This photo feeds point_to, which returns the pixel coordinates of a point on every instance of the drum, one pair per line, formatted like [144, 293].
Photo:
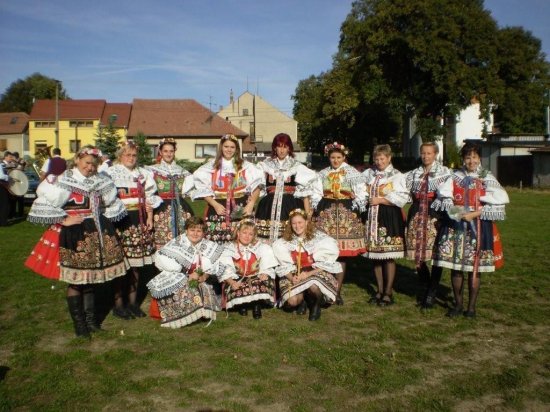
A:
[18, 182]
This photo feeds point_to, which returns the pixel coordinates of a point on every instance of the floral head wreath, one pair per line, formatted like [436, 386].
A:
[166, 140]
[246, 220]
[295, 212]
[230, 137]
[92, 151]
[336, 146]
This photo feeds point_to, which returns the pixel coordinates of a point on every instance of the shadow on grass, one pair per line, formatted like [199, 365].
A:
[3, 372]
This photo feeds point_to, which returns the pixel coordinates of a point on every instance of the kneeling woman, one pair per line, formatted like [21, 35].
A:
[81, 205]
[249, 281]
[307, 260]
[183, 289]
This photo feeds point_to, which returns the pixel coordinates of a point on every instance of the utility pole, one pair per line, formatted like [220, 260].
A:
[547, 95]
[56, 113]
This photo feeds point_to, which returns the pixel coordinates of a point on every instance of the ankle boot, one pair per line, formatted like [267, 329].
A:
[77, 314]
[429, 301]
[301, 309]
[256, 311]
[89, 312]
[315, 308]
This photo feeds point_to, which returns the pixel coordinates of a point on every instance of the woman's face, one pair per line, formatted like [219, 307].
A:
[381, 161]
[168, 152]
[282, 151]
[195, 234]
[336, 159]
[299, 225]
[245, 235]
[427, 154]
[228, 149]
[471, 161]
[87, 165]
[129, 158]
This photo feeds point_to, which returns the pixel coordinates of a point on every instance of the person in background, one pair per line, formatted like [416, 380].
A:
[5, 196]
[80, 205]
[55, 165]
[230, 186]
[385, 226]
[466, 240]
[106, 163]
[338, 201]
[249, 281]
[307, 265]
[430, 187]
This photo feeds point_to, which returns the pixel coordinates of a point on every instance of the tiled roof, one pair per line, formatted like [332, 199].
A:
[68, 109]
[13, 123]
[122, 111]
[177, 118]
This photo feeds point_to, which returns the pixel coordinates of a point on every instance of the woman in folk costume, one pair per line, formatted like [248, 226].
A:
[81, 205]
[136, 188]
[249, 281]
[230, 186]
[466, 240]
[289, 185]
[385, 227]
[430, 186]
[173, 183]
[338, 201]
[183, 289]
[307, 259]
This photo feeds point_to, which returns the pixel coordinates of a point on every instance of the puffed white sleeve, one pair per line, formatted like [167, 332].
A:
[169, 258]
[268, 262]
[171, 278]
[359, 188]
[317, 191]
[47, 208]
[150, 188]
[226, 258]
[114, 208]
[444, 200]
[188, 185]
[284, 258]
[398, 195]
[494, 200]
[203, 181]
[325, 253]
[255, 177]
[305, 181]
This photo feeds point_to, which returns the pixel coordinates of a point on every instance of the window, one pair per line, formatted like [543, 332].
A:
[40, 146]
[75, 146]
[13, 120]
[81, 123]
[3, 144]
[205, 150]
[44, 124]
[245, 112]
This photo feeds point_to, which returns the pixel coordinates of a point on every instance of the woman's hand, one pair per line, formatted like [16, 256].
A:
[234, 284]
[194, 276]
[248, 209]
[149, 222]
[220, 210]
[72, 220]
[148, 208]
[469, 216]
[263, 277]
[203, 278]
[373, 201]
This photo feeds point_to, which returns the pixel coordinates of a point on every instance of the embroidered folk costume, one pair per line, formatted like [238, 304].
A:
[338, 200]
[470, 246]
[385, 226]
[88, 252]
[135, 188]
[228, 187]
[298, 255]
[287, 182]
[248, 264]
[173, 184]
[180, 302]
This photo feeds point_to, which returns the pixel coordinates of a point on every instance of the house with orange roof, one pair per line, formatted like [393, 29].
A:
[195, 128]
[71, 124]
[14, 134]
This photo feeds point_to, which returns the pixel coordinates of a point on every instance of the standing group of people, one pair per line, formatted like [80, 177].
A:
[11, 206]
[273, 233]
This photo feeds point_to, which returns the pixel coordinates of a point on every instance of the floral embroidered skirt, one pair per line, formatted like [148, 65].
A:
[86, 258]
[252, 290]
[428, 228]
[168, 218]
[337, 219]
[187, 305]
[387, 240]
[457, 243]
[263, 213]
[137, 241]
[218, 229]
[44, 258]
[326, 282]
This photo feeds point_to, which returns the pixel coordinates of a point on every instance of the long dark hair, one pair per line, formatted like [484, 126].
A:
[236, 157]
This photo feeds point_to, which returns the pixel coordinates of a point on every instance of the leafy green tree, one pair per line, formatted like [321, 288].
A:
[145, 155]
[525, 76]
[107, 139]
[20, 95]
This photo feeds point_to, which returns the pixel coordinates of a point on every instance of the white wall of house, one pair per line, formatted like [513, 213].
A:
[469, 125]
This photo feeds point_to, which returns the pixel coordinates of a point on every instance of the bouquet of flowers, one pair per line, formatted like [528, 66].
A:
[456, 212]
[194, 283]
[237, 213]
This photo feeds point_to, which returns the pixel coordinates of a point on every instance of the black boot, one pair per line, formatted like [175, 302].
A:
[77, 314]
[301, 308]
[243, 310]
[89, 312]
[257, 311]
[135, 310]
[315, 307]
[429, 301]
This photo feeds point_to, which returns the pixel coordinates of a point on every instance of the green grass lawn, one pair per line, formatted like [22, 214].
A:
[357, 357]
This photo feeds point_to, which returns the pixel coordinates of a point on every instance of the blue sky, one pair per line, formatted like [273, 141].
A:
[123, 49]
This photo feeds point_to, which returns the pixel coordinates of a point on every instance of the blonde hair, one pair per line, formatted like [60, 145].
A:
[124, 148]
[246, 223]
[432, 144]
[384, 149]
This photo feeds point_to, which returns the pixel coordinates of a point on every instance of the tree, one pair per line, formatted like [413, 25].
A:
[145, 156]
[107, 139]
[20, 95]
[525, 76]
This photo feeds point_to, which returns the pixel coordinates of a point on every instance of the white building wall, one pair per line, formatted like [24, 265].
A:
[469, 125]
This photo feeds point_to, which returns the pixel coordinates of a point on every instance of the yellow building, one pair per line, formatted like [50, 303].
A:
[72, 124]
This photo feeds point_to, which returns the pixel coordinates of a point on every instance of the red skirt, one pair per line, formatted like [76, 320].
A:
[44, 258]
[497, 248]
[154, 310]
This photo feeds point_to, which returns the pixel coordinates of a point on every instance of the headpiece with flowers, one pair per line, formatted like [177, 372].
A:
[166, 140]
[92, 151]
[300, 212]
[336, 146]
[230, 137]
[244, 221]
